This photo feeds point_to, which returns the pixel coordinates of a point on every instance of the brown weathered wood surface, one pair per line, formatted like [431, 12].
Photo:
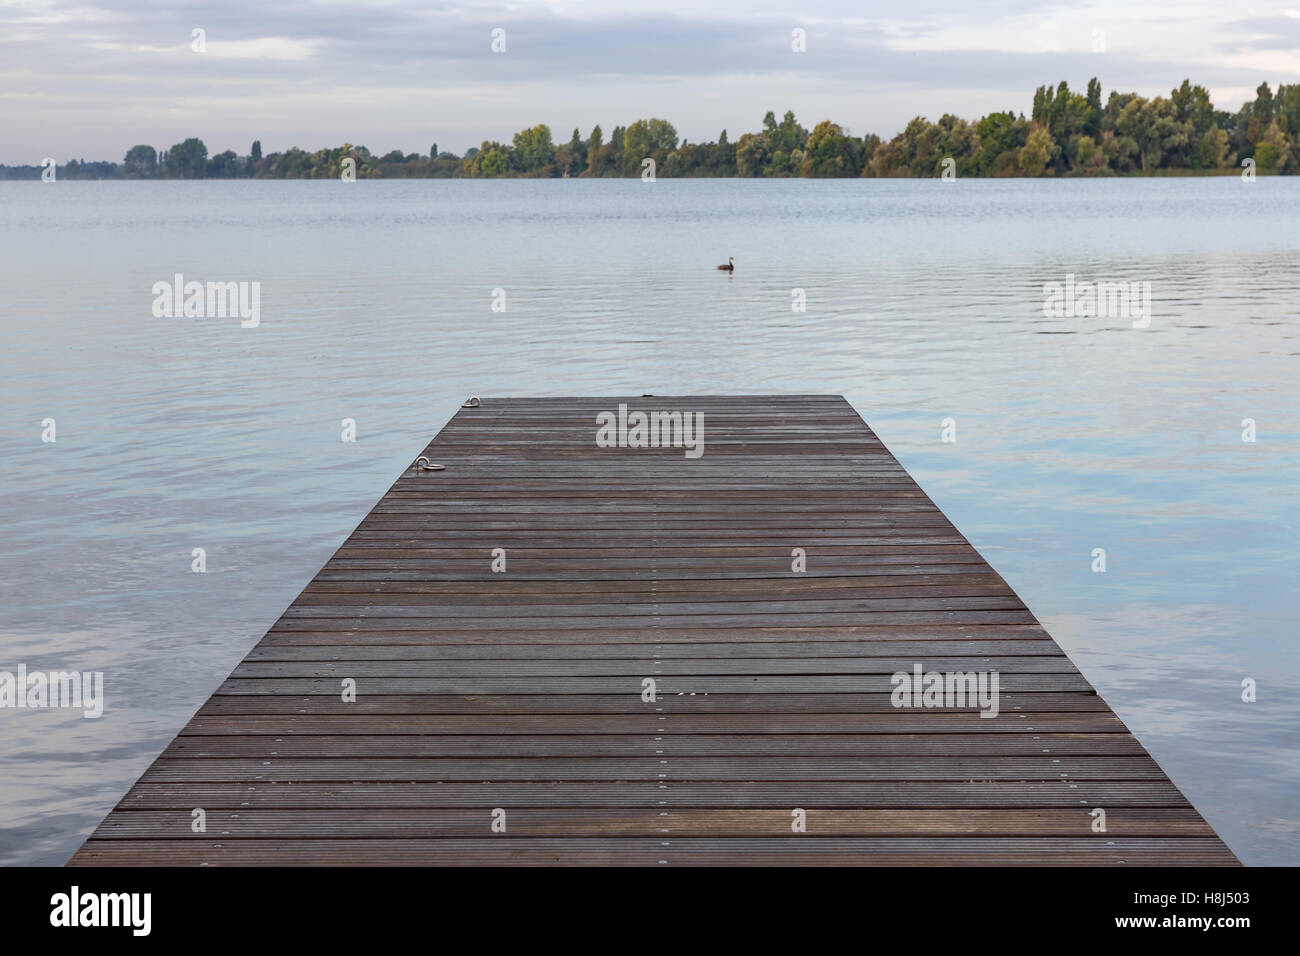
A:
[522, 690]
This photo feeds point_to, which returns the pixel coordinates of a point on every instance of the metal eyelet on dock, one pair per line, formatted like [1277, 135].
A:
[428, 465]
[472, 402]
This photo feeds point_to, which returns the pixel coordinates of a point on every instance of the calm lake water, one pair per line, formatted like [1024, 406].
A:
[924, 301]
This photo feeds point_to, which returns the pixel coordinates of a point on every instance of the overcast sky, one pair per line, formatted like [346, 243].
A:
[90, 78]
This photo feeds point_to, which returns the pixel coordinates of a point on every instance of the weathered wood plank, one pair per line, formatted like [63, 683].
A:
[908, 794]
[680, 851]
[423, 823]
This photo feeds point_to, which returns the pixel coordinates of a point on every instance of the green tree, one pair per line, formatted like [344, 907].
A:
[870, 143]
[1263, 108]
[955, 139]
[1134, 121]
[751, 155]
[140, 162]
[654, 138]
[828, 152]
[534, 152]
[1000, 135]
[612, 152]
[577, 160]
[1093, 126]
[919, 150]
[1038, 151]
[786, 143]
[594, 144]
[1154, 126]
[187, 160]
[1286, 108]
[1086, 158]
[493, 162]
[1211, 150]
[1065, 114]
[1273, 151]
[490, 160]
[224, 165]
[1192, 105]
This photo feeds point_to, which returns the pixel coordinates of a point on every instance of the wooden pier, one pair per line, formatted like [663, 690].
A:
[503, 716]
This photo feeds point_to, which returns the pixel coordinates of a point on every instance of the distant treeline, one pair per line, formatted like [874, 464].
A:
[1066, 134]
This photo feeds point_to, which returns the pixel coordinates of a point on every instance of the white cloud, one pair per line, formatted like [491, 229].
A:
[263, 48]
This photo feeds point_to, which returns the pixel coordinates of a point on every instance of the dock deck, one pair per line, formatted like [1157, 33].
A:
[515, 698]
